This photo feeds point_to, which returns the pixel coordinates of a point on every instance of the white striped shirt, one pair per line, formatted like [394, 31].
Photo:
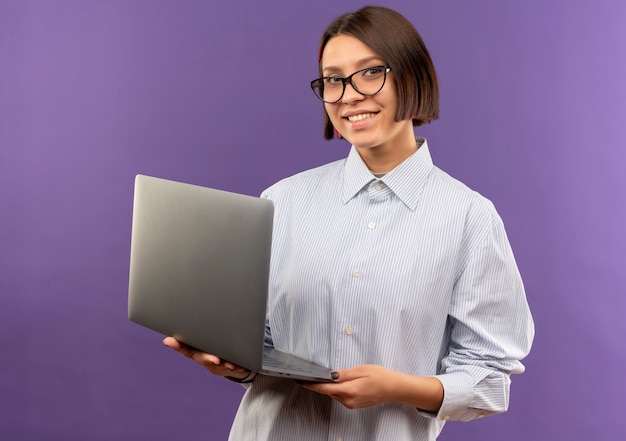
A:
[412, 272]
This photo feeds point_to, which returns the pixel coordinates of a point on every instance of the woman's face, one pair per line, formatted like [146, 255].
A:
[368, 122]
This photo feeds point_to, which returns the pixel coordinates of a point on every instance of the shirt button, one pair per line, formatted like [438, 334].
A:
[348, 330]
[356, 274]
[482, 415]
[446, 418]
[378, 186]
[371, 225]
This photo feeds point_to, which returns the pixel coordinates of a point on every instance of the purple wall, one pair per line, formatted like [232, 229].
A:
[91, 93]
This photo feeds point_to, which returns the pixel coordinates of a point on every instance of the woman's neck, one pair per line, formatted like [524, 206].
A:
[383, 159]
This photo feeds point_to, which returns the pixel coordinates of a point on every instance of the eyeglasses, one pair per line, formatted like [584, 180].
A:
[368, 81]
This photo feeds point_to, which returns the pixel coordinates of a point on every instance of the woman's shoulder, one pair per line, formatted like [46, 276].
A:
[452, 192]
[306, 180]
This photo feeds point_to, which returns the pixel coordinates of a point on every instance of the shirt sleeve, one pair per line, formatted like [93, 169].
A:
[268, 341]
[491, 325]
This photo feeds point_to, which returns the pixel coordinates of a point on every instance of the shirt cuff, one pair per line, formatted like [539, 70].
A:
[458, 393]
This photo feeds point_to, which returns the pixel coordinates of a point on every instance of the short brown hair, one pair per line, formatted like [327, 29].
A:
[397, 41]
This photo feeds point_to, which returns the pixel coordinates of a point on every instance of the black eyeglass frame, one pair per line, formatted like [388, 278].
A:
[318, 83]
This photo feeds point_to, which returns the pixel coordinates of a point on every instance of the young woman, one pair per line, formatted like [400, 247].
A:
[384, 267]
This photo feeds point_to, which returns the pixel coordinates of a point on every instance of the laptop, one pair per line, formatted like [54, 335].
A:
[199, 272]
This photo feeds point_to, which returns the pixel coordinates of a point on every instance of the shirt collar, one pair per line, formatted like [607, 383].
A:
[406, 180]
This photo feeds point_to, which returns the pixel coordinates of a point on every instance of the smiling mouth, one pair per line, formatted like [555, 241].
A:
[360, 117]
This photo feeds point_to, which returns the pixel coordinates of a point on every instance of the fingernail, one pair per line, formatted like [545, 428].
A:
[334, 375]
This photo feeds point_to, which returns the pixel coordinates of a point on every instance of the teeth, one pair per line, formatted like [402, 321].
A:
[360, 117]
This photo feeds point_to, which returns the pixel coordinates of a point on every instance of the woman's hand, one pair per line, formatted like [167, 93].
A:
[369, 385]
[213, 364]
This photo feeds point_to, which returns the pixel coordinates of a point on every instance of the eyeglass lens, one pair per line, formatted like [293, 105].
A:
[368, 81]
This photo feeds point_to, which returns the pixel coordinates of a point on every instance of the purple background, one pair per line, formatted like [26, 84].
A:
[93, 92]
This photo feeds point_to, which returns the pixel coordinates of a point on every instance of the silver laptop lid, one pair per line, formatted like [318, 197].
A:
[199, 267]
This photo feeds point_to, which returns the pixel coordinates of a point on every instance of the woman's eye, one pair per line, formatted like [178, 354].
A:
[333, 81]
[373, 71]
